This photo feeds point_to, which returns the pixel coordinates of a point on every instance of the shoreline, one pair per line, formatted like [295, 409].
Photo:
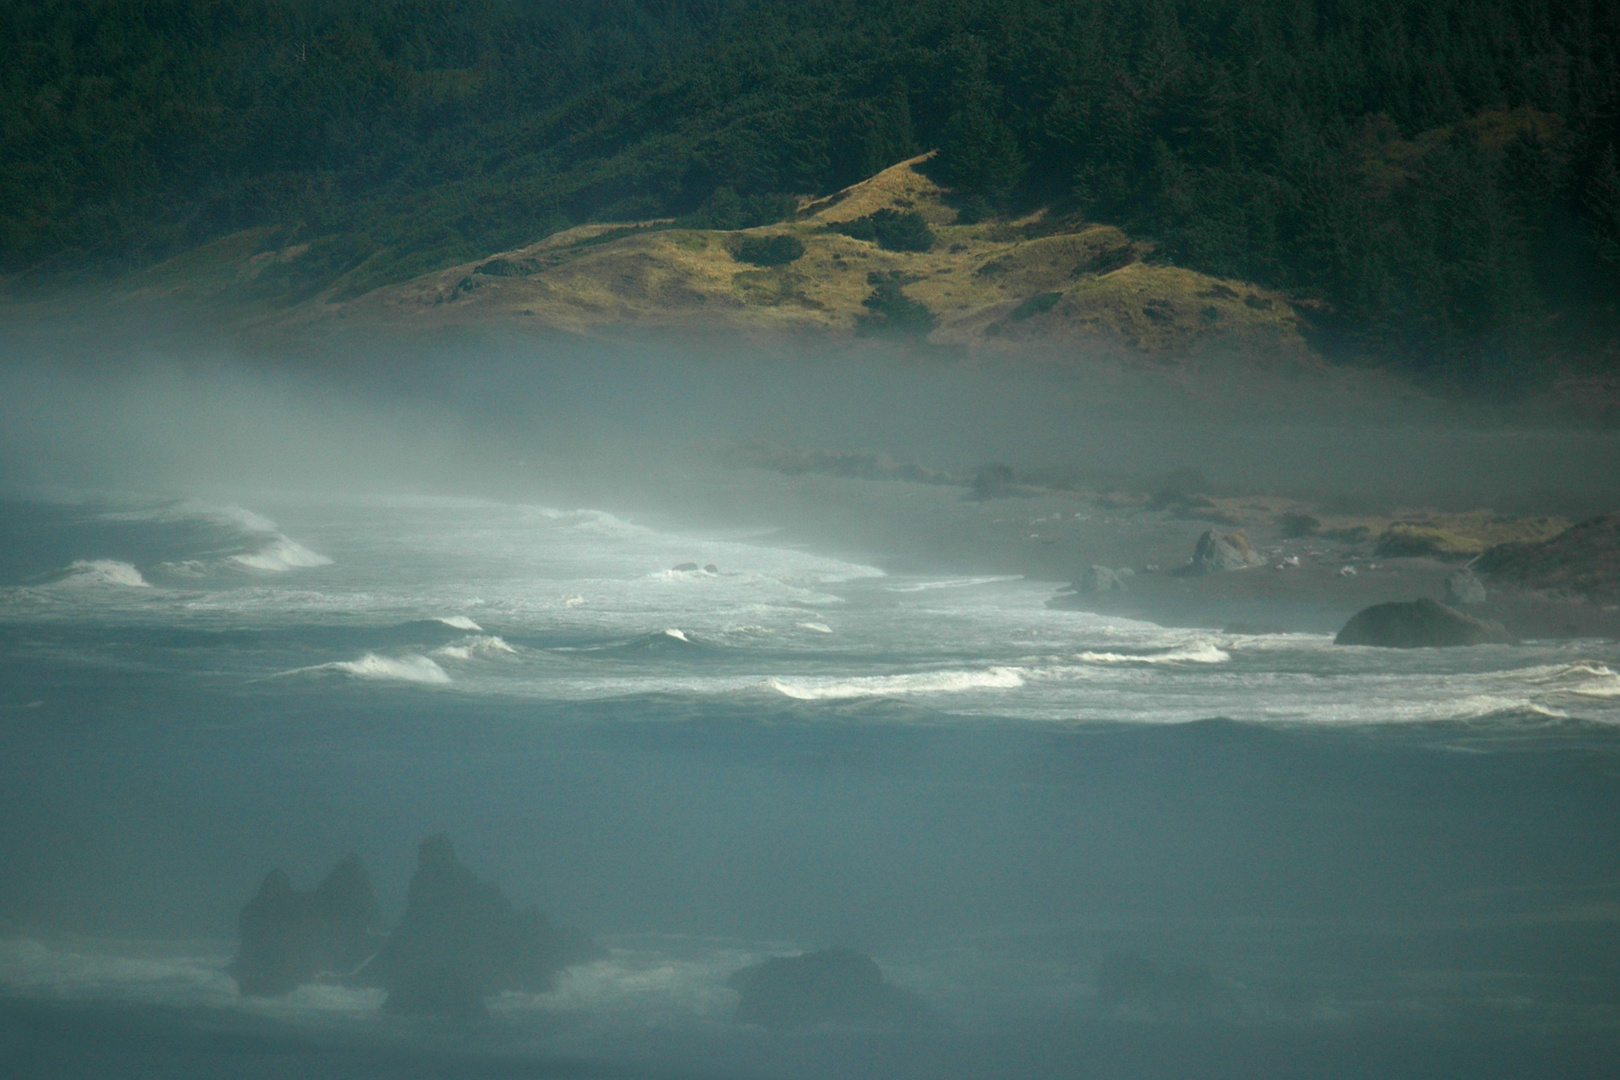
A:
[1311, 583]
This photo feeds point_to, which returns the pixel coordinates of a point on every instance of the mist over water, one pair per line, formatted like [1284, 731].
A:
[259, 614]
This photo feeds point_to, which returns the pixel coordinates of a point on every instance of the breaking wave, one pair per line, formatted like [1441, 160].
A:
[1202, 652]
[924, 682]
[953, 583]
[105, 572]
[280, 555]
[410, 668]
[1584, 679]
[471, 647]
[459, 622]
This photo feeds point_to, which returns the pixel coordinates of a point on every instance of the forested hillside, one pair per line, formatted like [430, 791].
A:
[1439, 177]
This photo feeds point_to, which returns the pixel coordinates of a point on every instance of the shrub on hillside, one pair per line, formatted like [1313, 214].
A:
[893, 312]
[727, 210]
[777, 250]
[892, 229]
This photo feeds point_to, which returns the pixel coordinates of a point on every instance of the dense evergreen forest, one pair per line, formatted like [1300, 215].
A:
[1441, 176]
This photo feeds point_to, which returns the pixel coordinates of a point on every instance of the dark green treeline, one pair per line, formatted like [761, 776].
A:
[1440, 174]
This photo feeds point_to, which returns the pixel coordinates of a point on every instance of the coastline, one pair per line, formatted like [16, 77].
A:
[1310, 583]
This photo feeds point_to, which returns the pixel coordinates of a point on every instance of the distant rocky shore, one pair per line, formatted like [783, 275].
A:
[1427, 580]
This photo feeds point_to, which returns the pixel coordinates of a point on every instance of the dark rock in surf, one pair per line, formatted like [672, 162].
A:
[710, 568]
[1419, 624]
[1214, 553]
[1103, 579]
[834, 985]
[461, 940]
[290, 937]
[1463, 587]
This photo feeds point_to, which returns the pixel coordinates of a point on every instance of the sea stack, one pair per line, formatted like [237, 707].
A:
[290, 938]
[461, 940]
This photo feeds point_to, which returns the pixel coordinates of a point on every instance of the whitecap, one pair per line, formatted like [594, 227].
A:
[468, 648]
[818, 627]
[922, 682]
[280, 555]
[1583, 678]
[1202, 652]
[459, 622]
[677, 635]
[951, 583]
[409, 668]
[106, 572]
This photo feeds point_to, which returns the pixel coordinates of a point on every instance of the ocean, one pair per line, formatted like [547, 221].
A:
[706, 746]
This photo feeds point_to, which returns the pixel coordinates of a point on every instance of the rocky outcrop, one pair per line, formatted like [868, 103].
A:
[1214, 553]
[834, 985]
[1103, 579]
[1583, 560]
[1463, 587]
[290, 938]
[1417, 625]
[461, 940]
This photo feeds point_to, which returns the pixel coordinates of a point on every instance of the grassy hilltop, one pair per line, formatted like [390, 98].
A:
[990, 285]
[1436, 182]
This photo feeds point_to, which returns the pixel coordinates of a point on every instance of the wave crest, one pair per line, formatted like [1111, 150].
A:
[1201, 652]
[105, 572]
[922, 682]
[280, 555]
[410, 668]
[479, 645]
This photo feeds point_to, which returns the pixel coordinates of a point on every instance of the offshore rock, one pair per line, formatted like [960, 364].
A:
[1463, 587]
[291, 937]
[834, 985]
[461, 940]
[1417, 625]
[1214, 553]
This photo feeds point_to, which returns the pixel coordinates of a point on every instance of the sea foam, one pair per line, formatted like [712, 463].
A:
[1201, 652]
[281, 554]
[410, 668]
[460, 622]
[922, 682]
[106, 572]
[478, 645]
